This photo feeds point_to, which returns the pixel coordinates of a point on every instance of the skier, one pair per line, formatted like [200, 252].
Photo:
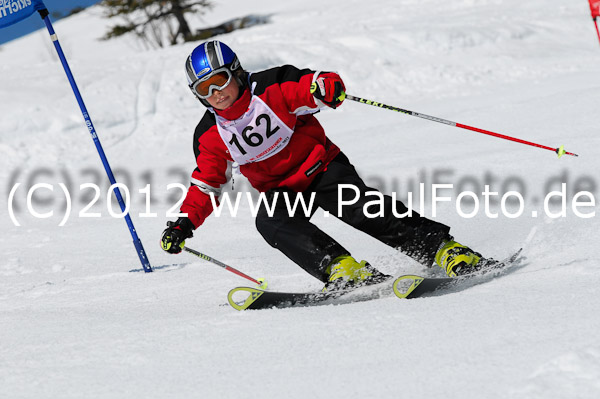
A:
[264, 121]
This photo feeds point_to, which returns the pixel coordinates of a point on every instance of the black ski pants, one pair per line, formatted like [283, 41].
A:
[313, 250]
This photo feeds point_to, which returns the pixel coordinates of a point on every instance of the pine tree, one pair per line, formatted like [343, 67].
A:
[154, 21]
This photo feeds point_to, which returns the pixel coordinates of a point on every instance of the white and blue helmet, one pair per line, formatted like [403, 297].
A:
[207, 58]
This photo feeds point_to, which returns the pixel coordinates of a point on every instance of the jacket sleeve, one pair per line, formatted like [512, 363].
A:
[294, 86]
[213, 170]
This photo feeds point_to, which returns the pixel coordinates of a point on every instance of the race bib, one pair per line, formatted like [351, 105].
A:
[256, 135]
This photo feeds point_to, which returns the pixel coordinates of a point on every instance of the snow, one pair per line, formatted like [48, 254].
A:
[80, 319]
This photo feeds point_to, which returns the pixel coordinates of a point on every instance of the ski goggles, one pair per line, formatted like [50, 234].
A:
[218, 80]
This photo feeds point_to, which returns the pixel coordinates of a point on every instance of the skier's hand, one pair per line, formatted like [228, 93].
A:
[330, 90]
[173, 238]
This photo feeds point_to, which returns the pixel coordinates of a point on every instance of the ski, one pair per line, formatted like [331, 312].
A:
[414, 286]
[407, 286]
[254, 298]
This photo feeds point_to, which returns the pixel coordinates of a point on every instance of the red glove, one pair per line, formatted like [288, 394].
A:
[330, 90]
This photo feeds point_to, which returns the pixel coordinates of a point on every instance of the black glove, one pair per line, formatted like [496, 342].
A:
[330, 90]
[173, 238]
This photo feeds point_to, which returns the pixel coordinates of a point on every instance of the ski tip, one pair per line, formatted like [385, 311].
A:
[249, 295]
[404, 285]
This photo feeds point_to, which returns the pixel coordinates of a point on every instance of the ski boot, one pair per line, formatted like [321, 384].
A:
[457, 259]
[346, 273]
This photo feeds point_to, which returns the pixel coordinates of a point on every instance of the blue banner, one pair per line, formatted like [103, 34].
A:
[13, 11]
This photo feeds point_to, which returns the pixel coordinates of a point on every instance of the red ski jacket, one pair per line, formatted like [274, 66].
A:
[270, 132]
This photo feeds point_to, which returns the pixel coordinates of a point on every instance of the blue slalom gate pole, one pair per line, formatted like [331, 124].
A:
[136, 241]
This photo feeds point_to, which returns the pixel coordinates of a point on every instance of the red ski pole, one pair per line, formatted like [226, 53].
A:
[261, 282]
[596, 25]
[560, 150]
[595, 10]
